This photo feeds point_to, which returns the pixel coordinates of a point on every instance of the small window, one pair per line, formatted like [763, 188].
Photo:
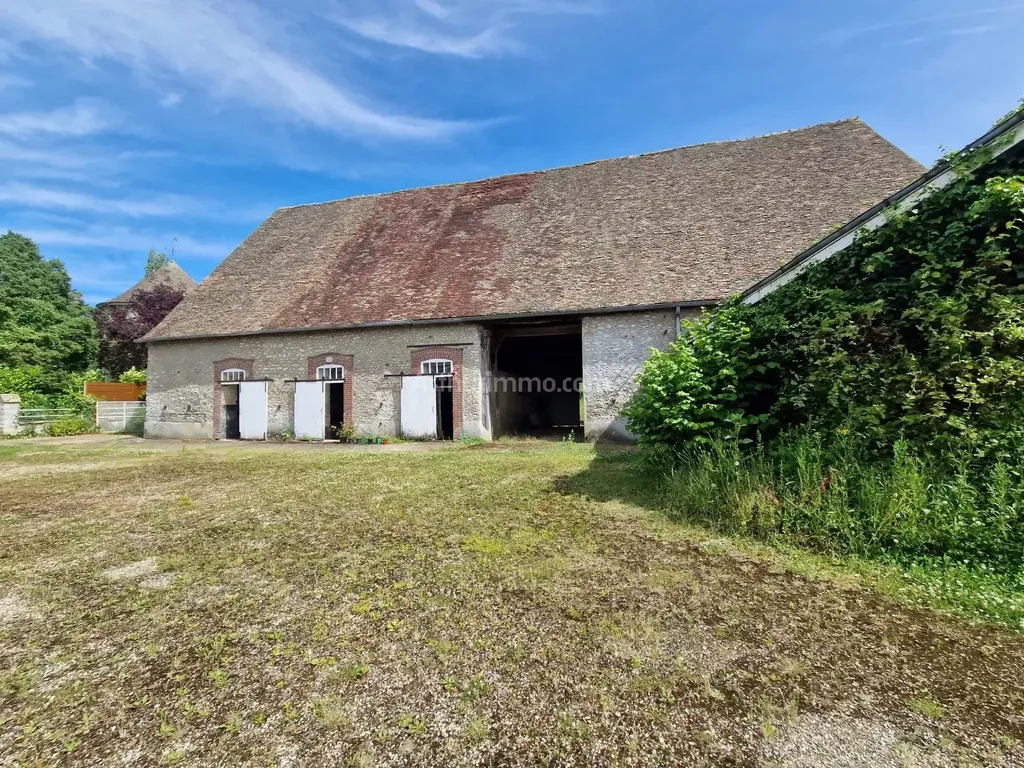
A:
[436, 367]
[232, 375]
[330, 373]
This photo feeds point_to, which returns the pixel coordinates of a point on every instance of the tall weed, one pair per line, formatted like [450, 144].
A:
[840, 497]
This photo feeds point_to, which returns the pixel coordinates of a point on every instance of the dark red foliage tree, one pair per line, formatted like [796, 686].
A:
[121, 325]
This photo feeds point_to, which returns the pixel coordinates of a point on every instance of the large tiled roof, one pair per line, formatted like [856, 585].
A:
[684, 225]
[170, 274]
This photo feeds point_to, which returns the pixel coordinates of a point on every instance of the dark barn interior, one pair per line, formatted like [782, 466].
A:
[335, 410]
[445, 393]
[536, 374]
[229, 394]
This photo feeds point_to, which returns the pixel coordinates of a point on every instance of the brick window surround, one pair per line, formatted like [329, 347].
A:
[219, 367]
[333, 358]
[419, 356]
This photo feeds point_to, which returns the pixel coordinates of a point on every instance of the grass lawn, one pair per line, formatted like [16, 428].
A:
[489, 605]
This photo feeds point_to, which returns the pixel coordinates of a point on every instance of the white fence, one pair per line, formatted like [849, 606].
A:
[120, 415]
[30, 416]
[37, 419]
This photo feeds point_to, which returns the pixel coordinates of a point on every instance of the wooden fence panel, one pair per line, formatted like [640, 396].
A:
[113, 390]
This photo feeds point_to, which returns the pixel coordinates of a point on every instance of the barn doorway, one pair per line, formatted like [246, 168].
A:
[444, 391]
[230, 415]
[230, 386]
[536, 375]
[443, 373]
[333, 377]
[335, 410]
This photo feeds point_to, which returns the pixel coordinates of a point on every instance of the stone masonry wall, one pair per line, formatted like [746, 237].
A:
[615, 348]
[181, 391]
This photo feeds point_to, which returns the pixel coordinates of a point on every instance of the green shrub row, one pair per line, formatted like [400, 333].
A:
[39, 387]
[75, 425]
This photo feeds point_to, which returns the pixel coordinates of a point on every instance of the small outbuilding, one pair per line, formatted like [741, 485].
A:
[524, 304]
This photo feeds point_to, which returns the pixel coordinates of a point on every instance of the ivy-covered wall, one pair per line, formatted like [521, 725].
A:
[916, 331]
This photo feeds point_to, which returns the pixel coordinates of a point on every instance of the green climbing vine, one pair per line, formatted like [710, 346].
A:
[914, 332]
[875, 404]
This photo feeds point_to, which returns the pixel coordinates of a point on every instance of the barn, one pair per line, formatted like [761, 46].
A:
[523, 304]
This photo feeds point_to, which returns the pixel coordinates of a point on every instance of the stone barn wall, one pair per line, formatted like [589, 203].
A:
[615, 348]
[182, 398]
[181, 377]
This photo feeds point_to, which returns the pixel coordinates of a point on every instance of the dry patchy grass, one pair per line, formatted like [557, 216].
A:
[501, 606]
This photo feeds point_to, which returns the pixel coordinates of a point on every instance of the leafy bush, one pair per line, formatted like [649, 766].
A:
[875, 404]
[133, 376]
[346, 433]
[31, 379]
[35, 400]
[44, 388]
[701, 388]
[71, 426]
[914, 332]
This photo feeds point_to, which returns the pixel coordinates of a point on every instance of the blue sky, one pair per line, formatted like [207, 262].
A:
[130, 124]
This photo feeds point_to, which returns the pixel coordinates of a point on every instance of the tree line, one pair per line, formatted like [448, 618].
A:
[51, 340]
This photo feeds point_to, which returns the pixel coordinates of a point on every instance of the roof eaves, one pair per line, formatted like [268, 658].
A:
[688, 304]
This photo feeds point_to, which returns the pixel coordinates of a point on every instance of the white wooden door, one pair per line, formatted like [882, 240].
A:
[252, 410]
[309, 410]
[419, 407]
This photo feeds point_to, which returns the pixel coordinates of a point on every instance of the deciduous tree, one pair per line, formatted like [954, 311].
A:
[43, 321]
[155, 261]
[122, 325]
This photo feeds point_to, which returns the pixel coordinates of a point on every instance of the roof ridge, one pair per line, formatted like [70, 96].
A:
[172, 276]
[584, 164]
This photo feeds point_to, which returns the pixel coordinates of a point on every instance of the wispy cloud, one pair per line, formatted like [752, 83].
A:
[104, 275]
[956, 32]
[979, 30]
[87, 163]
[46, 198]
[129, 240]
[229, 51]
[844, 35]
[465, 28]
[387, 31]
[51, 163]
[13, 81]
[83, 118]
[26, 196]
[18, 153]
[432, 8]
